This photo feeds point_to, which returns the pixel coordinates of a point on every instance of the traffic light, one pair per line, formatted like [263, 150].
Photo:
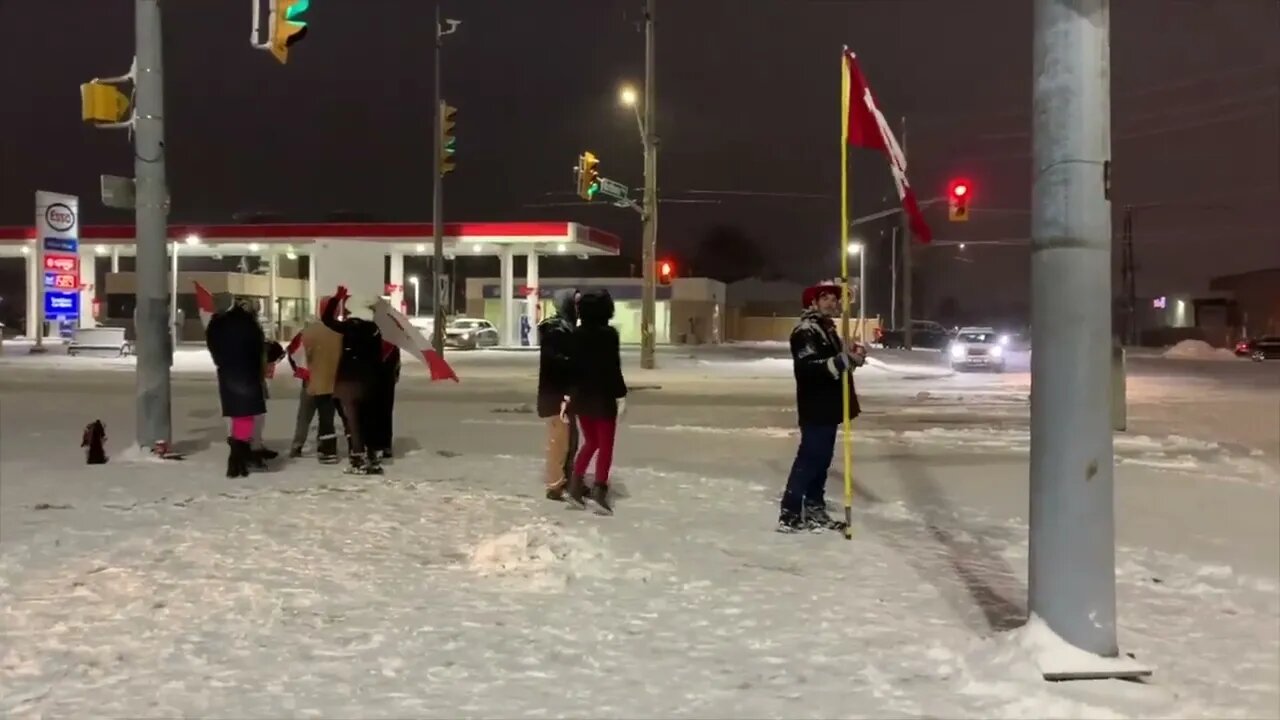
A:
[958, 200]
[286, 27]
[102, 103]
[448, 142]
[666, 271]
[588, 176]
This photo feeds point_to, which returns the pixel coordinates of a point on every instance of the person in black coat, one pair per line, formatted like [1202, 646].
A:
[555, 383]
[383, 402]
[356, 385]
[237, 344]
[822, 362]
[598, 396]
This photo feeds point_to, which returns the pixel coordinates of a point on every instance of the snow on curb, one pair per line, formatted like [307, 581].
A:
[1197, 350]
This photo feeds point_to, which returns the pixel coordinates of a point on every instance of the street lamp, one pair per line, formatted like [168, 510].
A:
[856, 248]
[628, 97]
[417, 306]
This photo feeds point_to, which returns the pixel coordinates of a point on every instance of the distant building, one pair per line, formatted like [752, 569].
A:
[1257, 300]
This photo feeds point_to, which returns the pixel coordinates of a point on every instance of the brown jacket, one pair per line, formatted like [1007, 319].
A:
[324, 350]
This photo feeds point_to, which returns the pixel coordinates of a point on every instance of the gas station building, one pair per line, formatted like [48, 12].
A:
[350, 254]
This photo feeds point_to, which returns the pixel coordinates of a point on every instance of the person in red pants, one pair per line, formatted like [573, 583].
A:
[598, 397]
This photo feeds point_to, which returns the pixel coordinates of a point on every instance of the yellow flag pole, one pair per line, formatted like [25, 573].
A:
[846, 377]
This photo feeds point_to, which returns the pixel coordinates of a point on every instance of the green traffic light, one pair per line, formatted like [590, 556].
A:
[297, 9]
[592, 189]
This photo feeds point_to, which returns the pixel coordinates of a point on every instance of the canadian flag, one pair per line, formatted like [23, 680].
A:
[866, 127]
[397, 330]
[297, 355]
[204, 303]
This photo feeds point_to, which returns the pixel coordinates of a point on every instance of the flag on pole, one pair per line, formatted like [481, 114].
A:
[397, 330]
[865, 127]
[204, 303]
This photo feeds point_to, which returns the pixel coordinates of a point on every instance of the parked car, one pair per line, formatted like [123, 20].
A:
[978, 347]
[470, 333]
[924, 334]
[1266, 347]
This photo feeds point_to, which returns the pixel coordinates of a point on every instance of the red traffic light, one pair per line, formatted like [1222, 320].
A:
[664, 268]
[960, 188]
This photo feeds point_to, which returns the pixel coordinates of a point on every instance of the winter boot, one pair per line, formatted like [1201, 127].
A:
[577, 491]
[295, 452]
[237, 458]
[373, 465]
[556, 492]
[816, 517]
[357, 465]
[386, 455]
[600, 494]
[327, 451]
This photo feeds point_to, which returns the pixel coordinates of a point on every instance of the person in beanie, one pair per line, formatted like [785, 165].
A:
[357, 373]
[599, 395]
[314, 354]
[237, 344]
[555, 384]
[821, 362]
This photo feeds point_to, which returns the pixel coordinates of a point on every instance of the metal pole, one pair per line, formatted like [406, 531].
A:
[173, 292]
[1072, 525]
[906, 259]
[437, 201]
[649, 252]
[153, 347]
[1130, 284]
[862, 294]
[893, 290]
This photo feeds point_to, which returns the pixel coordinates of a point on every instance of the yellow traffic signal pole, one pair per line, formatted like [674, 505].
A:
[846, 378]
[154, 350]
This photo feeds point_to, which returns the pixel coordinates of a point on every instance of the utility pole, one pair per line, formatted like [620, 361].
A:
[448, 27]
[649, 252]
[906, 258]
[154, 350]
[893, 288]
[437, 199]
[1072, 509]
[1129, 284]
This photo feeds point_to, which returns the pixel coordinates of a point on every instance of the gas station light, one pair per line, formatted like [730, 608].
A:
[254, 247]
[192, 239]
[100, 249]
[421, 248]
[560, 248]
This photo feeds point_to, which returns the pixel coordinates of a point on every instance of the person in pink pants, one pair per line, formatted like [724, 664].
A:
[598, 396]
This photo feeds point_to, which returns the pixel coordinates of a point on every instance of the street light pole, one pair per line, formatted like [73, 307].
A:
[154, 425]
[437, 198]
[862, 295]
[649, 251]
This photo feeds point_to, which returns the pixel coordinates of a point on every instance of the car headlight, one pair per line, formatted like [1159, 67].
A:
[466, 336]
[957, 351]
[1004, 339]
[997, 351]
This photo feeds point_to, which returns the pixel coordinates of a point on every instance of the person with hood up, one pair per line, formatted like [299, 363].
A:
[314, 354]
[598, 397]
[362, 354]
[383, 402]
[555, 385]
[237, 344]
[821, 362]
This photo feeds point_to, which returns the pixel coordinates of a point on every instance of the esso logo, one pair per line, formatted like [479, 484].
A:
[60, 217]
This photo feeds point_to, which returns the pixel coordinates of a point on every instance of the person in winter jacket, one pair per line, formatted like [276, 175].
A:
[821, 363]
[598, 396]
[314, 354]
[382, 402]
[362, 355]
[237, 344]
[555, 384]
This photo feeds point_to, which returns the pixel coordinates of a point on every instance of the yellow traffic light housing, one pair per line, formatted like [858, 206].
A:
[102, 103]
[448, 141]
[958, 200]
[286, 27]
[588, 176]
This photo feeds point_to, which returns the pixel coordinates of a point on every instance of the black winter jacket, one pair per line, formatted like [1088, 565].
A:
[238, 346]
[555, 345]
[361, 347]
[814, 346]
[597, 359]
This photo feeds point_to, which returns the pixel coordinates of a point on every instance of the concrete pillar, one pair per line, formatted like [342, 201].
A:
[174, 330]
[115, 259]
[34, 278]
[88, 276]
[509, 331]
[531, 298]
[312, 308]
[396, 279]
[273, 293]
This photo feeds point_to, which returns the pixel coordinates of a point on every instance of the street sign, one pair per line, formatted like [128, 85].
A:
[613, 189]
[118, 192]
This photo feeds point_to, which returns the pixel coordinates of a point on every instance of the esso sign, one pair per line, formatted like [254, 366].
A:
[60, 217]
[62, 263]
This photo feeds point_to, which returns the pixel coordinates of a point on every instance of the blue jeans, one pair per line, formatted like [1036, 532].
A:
[807, 483]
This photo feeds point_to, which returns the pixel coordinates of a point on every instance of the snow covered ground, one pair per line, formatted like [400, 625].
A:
[451, 588]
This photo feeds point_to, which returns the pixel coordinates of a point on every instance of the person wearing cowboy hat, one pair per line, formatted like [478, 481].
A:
[821, 362]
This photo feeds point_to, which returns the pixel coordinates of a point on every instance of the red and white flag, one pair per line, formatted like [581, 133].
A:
[397, 330]
[297, 355]
[866, 127]
[204, 303]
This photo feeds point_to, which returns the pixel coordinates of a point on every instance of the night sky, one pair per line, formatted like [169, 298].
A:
[748, 102]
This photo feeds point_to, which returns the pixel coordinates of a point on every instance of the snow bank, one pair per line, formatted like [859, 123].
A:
[540, 557]
[1197, 350]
